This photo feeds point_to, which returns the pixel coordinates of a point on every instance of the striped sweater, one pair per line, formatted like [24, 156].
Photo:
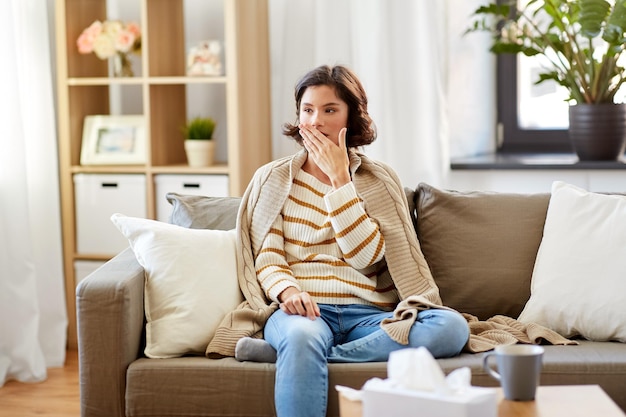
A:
[323, 242]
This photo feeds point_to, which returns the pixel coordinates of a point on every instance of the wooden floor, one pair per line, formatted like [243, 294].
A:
[57, 396]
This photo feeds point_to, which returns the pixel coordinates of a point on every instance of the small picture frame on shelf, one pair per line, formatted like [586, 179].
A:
[205, 59]
[113, 140]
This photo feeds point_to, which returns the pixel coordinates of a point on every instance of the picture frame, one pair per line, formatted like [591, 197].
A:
[113, 140]
[204, 59]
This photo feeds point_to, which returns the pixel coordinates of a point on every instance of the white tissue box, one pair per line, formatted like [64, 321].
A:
[398, 402]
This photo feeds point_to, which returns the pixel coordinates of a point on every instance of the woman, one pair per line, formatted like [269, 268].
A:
[338, 252]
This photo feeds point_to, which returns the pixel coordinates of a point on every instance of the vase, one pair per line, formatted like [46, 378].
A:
[598, 131]
[200, 152]
[122, 66]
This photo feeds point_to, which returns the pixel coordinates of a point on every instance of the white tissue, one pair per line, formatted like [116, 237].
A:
[416, 369]
[459, 380]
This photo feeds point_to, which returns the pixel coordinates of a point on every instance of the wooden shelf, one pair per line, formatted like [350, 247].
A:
[92, 256]
[218, 168]
[107, 169]
[162, 90]
[187, 80]
[183, 169]
[88, 81]
[106, 81]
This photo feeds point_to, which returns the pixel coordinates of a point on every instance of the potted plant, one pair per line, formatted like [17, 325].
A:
[199, 144]
[582, 42]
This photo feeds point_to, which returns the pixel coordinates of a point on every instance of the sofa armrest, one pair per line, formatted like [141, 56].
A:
[110, 319]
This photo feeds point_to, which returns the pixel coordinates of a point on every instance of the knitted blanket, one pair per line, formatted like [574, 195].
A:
[484, 335]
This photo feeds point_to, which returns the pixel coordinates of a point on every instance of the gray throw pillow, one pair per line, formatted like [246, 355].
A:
[201, 212]
[481, 247]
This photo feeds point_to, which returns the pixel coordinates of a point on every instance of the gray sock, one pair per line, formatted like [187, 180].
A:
[254, 350]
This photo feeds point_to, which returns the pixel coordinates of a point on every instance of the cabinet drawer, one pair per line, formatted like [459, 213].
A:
[209, 185]
[97, 197]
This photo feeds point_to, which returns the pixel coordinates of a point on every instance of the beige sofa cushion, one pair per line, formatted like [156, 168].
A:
[481, 246]
[191, 389]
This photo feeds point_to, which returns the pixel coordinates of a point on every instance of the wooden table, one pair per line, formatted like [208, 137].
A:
[562, 401]
[551, 401]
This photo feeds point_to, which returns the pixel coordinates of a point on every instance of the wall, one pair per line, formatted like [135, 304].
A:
[531, 181]
[199, 102]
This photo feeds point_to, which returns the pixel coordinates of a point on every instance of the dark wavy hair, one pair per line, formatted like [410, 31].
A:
[361, 128]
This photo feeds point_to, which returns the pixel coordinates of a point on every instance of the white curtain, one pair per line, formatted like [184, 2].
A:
[430, 89]
[33, 320]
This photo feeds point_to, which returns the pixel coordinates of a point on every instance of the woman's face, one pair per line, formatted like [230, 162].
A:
[320, 108]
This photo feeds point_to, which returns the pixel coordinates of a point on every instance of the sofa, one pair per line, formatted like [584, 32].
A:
[483, 249]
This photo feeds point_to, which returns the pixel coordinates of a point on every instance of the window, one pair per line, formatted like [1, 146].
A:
[531, 118]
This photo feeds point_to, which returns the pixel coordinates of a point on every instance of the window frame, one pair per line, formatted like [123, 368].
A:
[511, 137]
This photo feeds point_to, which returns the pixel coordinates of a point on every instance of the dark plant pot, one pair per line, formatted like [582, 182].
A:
[598, 131]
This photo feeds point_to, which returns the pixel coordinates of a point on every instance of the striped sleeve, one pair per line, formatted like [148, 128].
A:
[357, 235]
[272, 270]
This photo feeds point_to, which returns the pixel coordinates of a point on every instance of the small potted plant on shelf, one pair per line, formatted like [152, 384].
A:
[199, 143]
[582, 44]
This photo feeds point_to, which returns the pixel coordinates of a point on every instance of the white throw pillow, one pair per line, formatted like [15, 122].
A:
[579, 279]
[191, 283]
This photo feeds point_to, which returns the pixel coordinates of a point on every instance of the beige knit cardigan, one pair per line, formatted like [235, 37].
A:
[385, 202]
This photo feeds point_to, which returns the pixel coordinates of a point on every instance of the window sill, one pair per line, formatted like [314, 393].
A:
[532, 161]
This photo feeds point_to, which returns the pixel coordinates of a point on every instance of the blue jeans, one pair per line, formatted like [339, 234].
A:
[345, 333]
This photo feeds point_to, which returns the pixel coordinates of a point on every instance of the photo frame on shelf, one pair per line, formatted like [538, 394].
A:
[205, 59]
[113, 140]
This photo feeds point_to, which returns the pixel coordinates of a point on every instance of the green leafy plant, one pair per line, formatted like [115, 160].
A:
[199, 128]
[582, 41]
